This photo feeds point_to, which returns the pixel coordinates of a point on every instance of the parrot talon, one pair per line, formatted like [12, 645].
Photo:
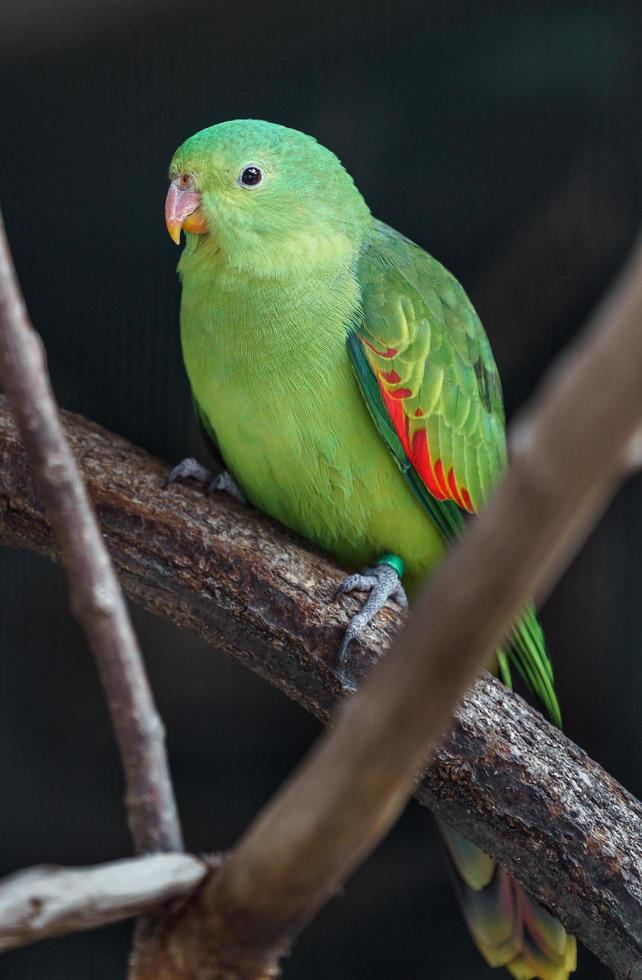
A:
[226, 483]
[358, 582]
[191, 469]
[383, 583]
[348, 683]
[188, 469]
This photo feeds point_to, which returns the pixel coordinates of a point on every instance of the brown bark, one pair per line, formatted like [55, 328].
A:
[244, 584]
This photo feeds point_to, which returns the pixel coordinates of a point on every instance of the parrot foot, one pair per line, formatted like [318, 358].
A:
[226, 482]
[188, 469]
[191, 469]
[383, 582]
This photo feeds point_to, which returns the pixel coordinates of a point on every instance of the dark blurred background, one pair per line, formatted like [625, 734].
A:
[503, 137]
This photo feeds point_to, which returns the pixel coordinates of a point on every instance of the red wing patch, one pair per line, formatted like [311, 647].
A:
[443, 486]
[390, 352]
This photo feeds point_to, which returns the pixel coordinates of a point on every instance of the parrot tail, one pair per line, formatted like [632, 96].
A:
[509, 928]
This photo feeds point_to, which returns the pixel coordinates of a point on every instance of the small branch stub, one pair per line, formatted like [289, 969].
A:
[47, 901]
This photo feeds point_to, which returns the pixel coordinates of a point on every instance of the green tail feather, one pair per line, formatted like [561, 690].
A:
[527, 652]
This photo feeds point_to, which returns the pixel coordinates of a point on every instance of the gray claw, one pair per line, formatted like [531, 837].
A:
[359, 582]
[225, 482]
[191, 469]
[188, 469]
[383, 583]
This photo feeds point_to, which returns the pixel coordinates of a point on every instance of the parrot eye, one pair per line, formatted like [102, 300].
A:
[250, 176]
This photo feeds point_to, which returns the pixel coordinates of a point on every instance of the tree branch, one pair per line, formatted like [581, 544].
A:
[227, 573]
[95, 593]
[49, 901]
[503, 776]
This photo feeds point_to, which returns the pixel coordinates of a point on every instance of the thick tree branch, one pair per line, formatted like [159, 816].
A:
[49, 901]
[226, 572]
[503, 776]
[95, 593]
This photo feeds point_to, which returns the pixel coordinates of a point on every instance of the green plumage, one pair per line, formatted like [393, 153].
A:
[410, 303]
[351, 389]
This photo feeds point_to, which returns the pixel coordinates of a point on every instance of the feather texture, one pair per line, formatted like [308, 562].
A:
[426, 370]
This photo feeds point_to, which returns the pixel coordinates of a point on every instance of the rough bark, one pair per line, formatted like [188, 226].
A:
[503, 775]
[244, 584]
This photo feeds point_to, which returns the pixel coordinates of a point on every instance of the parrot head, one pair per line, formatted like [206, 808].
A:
[263, 197]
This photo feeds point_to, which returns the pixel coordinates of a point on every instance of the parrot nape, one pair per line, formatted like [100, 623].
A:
[347, 383]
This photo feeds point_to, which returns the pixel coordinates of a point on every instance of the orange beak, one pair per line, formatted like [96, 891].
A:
[183, 212]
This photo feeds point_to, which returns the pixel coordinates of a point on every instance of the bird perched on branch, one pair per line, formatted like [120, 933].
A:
[349, 387]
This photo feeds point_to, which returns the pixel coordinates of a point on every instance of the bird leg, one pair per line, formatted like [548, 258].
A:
[383, 582]
[191, 469]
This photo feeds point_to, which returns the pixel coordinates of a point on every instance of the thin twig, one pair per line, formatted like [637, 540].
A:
[569, 456]
[95, 594]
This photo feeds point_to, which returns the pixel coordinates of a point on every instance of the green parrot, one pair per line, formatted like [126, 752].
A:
[348, 386]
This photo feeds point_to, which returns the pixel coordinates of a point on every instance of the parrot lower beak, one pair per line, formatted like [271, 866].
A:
[183, 212]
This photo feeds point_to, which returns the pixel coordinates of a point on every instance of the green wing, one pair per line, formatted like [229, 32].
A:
[428, 376]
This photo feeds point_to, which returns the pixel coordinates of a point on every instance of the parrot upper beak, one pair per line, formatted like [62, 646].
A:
[182, 211]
